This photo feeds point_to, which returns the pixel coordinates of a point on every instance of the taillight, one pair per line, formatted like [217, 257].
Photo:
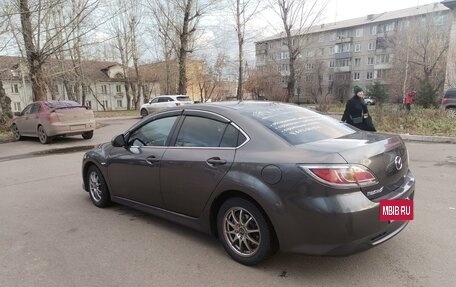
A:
[341, 176]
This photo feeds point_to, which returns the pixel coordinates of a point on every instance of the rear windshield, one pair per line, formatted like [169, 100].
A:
[295, 124]
[62, 104]
[183, 99]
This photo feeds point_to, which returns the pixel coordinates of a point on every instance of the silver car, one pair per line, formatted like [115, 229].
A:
[163, 102]
[48, 119]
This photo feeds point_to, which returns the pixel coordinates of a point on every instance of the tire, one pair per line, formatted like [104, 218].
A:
[16, 133]
[144, 113]
[42, 136]
[98, 189]
[87, 135]
[244, 231]
[451, 112]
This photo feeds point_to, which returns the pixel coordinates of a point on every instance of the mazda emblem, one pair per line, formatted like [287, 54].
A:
[398, 162]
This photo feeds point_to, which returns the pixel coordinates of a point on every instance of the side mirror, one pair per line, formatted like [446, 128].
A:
[118, 141]
[18, 114]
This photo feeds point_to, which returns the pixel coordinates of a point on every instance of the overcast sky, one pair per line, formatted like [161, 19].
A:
[347, 9]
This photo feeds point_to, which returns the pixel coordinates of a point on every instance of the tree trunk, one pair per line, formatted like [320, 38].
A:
[33, 57]
[5, 104]
[183, 50]
[239, 91]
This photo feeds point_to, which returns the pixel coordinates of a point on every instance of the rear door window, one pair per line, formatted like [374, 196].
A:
[35, 108]
[202, 132]
[450, 94]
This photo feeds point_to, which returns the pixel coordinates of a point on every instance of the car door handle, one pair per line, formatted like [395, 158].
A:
[152, 159]
[216, 161]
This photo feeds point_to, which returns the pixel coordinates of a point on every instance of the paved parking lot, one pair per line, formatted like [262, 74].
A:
[52, 235]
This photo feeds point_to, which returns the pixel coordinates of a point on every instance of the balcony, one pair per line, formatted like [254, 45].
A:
[382, 66]
[343, 55]
[343, 69]
[344, 40]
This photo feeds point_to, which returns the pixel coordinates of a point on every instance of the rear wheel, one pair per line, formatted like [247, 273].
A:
[44, 138]
[244, 231]
[16, 133]
[451, 112]
[144, 113]
[87, 135]
[98, 189]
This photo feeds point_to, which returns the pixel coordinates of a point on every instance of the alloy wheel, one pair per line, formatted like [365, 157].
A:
[15, 130]
[241, 231]
[95, 186]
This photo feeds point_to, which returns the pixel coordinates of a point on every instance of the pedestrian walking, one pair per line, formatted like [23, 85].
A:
[356, 112]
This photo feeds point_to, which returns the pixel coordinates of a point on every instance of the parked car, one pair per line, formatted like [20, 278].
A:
[258, 175]
[49, 119]
[369, 101]
[163, 102]
[448, 102]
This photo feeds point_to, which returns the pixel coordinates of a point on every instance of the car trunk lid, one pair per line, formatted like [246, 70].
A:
[72, 115]
[385, 155]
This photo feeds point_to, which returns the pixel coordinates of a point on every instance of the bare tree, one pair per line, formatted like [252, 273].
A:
[420, 47]
[244, 11]
[298, 17]
[183, 19]
[41, 40]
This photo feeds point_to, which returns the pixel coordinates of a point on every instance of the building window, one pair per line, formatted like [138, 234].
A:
[439, 20]
[370, 60]
[357, 47]
[356, 76]
[341, 48]
[330, 90]
[371, 46]
[374, 30]
[104, 89]
[309, 66]
[382, 74]
[357, 62]
[330, 77]
[118, 88]
[309, 78]
[321, 52]
[331, 50]
[382, 59]
[89, 104]
[284, 55]
[310, 54]
[105, 104]
[15, 88]
[333, 36]
[17, 106]
[332, 63]
[119, 103]
[343, 62]
[321, 38]
[369, 75]
[359, 32]
[284, 67]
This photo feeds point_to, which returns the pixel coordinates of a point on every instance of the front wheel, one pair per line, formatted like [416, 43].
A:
[44, 138]
[98, 189]
[144, 113]
[244, 231]
[87, 135]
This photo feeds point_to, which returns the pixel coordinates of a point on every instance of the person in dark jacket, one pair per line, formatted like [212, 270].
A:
[356, 113]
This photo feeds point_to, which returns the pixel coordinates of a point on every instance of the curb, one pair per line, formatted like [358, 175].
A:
[430, 139]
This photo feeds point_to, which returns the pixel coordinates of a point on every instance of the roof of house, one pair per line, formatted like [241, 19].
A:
[372, 18]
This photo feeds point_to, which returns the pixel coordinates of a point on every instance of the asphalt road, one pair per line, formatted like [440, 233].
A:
[52, 235]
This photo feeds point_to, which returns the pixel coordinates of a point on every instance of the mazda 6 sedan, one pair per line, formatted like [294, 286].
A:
[258, 175]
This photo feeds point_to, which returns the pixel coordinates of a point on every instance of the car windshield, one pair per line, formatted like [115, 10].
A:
[183, 99]
[62, 104]
[295, 124]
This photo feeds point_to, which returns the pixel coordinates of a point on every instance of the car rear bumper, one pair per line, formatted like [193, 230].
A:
[338, 225]
[70, 128]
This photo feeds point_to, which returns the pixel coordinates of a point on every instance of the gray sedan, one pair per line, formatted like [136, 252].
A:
[257, 175]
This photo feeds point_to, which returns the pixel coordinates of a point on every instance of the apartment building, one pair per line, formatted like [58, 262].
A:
[337, 56]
